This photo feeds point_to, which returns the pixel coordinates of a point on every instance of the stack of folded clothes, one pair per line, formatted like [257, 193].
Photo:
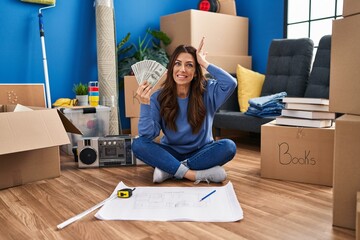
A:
[266, 106]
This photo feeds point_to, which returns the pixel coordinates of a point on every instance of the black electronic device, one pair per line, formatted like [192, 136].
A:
[109, 151]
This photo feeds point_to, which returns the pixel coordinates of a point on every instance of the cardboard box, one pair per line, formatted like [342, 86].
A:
[135, 131]
[132, 102]
[29, 144]
[346, 170]
[358, 217]
[228, 7]
[225, 34]
[230, 62]
[25, 94]
[297, 154]
[351, 7]
[344, 66]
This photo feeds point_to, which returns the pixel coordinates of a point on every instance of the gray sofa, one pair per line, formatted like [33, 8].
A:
[288, 69]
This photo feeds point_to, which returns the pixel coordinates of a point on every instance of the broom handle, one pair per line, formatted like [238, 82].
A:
[46, 73]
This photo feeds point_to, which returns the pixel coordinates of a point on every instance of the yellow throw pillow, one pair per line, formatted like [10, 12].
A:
[249, 86]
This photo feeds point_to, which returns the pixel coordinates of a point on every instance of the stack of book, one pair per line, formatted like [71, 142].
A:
[306, 112]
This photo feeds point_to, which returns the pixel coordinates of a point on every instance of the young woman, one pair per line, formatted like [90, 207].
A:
[183, 108]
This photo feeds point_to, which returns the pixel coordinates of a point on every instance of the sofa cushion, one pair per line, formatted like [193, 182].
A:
[318, 84]
[239, 121]
[288, 67]
[249, 86]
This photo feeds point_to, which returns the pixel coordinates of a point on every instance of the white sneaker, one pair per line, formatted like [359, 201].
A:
[160, 176]
[215, 174]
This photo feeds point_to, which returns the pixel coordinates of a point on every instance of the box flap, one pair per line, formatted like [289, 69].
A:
[23, 131]
[68, 125]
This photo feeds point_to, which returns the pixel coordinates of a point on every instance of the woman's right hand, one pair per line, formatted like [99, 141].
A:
[144, 92]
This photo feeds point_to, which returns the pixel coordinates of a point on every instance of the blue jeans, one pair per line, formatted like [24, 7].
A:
[216, 153]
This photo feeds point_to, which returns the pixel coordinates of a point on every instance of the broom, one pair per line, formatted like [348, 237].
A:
[42, 38]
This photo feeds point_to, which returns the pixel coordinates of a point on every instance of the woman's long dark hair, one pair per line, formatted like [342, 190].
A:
[168, 96]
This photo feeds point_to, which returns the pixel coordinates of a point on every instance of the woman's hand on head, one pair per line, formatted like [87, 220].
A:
[201, 54]
[144, 92]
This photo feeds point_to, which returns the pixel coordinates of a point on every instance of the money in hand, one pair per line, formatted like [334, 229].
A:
[148, 70]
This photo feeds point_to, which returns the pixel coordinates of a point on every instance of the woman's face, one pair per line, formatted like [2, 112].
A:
[184, 69]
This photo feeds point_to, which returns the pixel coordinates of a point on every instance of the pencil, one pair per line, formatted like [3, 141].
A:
[207, 195]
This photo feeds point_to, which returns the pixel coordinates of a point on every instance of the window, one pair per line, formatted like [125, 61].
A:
[311, 18]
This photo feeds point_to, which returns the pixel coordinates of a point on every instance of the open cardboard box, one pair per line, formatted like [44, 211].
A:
[29, 144]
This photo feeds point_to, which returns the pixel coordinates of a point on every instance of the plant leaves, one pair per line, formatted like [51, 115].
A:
[129, 55]
[123, 42]
[163, 37]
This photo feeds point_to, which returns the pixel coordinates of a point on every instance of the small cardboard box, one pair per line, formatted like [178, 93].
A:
[25, 94]
[297, 154]
[351, 7]
[228, 7]
[344, 66]
[132, 102]
[225, 34]
[29, 144]
[229, 62]
[346, 170]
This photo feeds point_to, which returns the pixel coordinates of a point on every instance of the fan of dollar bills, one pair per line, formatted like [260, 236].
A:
[148, 70]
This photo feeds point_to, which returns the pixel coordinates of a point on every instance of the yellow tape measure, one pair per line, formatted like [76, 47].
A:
[125, 192]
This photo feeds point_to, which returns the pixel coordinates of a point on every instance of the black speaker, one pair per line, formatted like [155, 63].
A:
[88, 153]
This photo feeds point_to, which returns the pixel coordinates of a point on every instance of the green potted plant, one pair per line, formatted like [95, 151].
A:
[128, 54]
[81, 91]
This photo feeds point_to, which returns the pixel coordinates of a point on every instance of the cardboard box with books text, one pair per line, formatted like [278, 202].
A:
[346, 170]
[29, 144]
[297, 154]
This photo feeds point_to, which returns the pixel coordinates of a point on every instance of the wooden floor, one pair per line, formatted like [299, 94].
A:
[272, 209]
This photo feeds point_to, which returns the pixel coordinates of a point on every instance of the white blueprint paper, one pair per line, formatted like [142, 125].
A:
[174, 204]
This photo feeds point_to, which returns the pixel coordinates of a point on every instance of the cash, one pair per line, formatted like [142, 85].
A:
[148, 70]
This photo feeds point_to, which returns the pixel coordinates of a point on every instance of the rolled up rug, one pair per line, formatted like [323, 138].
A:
[106, 59]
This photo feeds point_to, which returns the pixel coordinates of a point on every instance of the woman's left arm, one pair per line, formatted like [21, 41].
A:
[221, 87]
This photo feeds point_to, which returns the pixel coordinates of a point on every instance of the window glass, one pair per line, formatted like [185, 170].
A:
[298, 30]
[320, 28]
[312, 19]
[298, 10]
[339, 9]
[322, 8]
